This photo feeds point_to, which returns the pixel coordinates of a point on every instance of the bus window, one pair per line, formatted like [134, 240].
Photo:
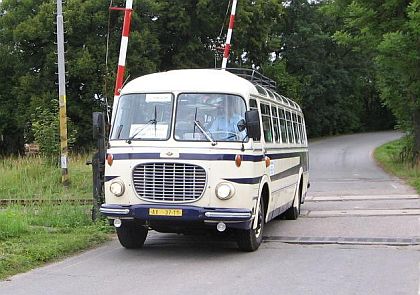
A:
[290, 127]
[302, 137]
[271, 94]
[261, 90]
[217, 114]
[302, 128]
[296, 128]
[143, 117]
[283, 128]
[253, 104]
[275, 118]
[266, 121]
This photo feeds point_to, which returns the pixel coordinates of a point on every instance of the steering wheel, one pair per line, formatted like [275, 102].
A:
[228, 134]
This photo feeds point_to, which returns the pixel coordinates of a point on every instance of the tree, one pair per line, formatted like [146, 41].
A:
[386, 33]
[328, 78]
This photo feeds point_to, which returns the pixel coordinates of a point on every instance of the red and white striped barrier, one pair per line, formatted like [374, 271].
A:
[229, 34]
[123, 50]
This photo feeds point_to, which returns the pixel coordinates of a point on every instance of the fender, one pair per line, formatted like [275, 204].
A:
[300, 176]
[264, 180]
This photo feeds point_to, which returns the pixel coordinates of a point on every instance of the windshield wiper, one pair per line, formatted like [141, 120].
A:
[119, 131]
[206, 133]
[152, 121]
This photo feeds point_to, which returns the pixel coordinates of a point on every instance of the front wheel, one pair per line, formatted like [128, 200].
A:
[131, 235]
[249, 240]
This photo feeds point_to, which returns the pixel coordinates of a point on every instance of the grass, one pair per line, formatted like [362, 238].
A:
[32, 235]
[388, 156]
[40, 178]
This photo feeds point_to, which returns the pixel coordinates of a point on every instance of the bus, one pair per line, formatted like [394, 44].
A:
[204, 150]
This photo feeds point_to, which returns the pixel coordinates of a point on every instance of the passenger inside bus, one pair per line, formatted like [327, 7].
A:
[225, 124]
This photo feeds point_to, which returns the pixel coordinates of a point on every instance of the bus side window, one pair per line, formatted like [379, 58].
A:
[290, 127]
[266, 121]
[275, 118]
[253, 104]
[283, 128]
[296, 128]
[302, 126]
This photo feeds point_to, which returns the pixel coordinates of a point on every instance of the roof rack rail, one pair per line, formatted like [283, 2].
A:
[254, 77]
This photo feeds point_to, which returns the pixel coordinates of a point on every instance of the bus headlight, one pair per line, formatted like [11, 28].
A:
[117, 188]
[225, 191]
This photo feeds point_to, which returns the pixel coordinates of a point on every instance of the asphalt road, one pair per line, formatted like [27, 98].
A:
[358, 234]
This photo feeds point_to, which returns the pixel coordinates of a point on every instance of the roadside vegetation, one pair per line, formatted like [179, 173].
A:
[40, 178]
[38, 233]
[391, 156]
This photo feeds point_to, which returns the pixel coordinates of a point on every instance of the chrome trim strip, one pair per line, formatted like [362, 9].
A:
[114, 211]
[227, 215]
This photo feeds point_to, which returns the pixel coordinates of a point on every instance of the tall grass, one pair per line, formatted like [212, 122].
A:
[389, 157]
[17, 221]
[34, 234]
[40, 178]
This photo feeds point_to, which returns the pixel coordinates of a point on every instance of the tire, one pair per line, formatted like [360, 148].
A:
[131, 235]
[293, 212]
[249, 240]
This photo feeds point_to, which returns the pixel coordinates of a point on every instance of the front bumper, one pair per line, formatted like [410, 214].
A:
[233, 218]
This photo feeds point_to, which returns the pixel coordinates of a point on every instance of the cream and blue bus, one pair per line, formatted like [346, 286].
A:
[202, 149]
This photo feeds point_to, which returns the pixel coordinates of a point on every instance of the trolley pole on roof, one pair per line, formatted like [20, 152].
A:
[123, 50]
[62, 95]
[229, 35]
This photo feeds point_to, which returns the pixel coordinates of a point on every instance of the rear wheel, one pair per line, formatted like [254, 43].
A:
[132, 235]
[293, 212]
[249, 240]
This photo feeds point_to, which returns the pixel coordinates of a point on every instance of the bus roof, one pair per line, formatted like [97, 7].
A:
[201, 80]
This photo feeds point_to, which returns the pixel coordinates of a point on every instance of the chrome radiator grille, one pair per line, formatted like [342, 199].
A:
[170, 182]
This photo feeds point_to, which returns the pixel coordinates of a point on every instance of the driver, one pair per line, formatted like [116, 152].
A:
[224, 126]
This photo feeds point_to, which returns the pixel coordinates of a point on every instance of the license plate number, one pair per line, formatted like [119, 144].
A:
[165, 212]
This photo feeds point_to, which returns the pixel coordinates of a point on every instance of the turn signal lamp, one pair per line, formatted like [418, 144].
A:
[267, 161]
[109, 159]
[238, 160]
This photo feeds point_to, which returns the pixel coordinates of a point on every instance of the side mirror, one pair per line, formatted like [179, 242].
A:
[253, 127]
[98, 125]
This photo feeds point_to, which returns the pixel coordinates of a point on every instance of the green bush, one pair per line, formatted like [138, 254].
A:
[46, 130]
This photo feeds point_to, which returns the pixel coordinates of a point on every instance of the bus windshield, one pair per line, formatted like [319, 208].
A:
[143, 117]
[207, 117]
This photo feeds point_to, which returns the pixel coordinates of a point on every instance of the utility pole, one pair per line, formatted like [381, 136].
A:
[229, 35]
[62, 95]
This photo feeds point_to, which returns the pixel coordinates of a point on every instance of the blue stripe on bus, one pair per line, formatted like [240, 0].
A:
[185, 156]
[250, 180]
[135, 156]
[108, 178]
[288, 172]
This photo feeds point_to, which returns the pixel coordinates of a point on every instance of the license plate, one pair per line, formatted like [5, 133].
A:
[165, 212]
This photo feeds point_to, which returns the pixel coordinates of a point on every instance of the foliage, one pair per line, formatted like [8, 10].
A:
[45, 127]
[387, 34]
[319, 52]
